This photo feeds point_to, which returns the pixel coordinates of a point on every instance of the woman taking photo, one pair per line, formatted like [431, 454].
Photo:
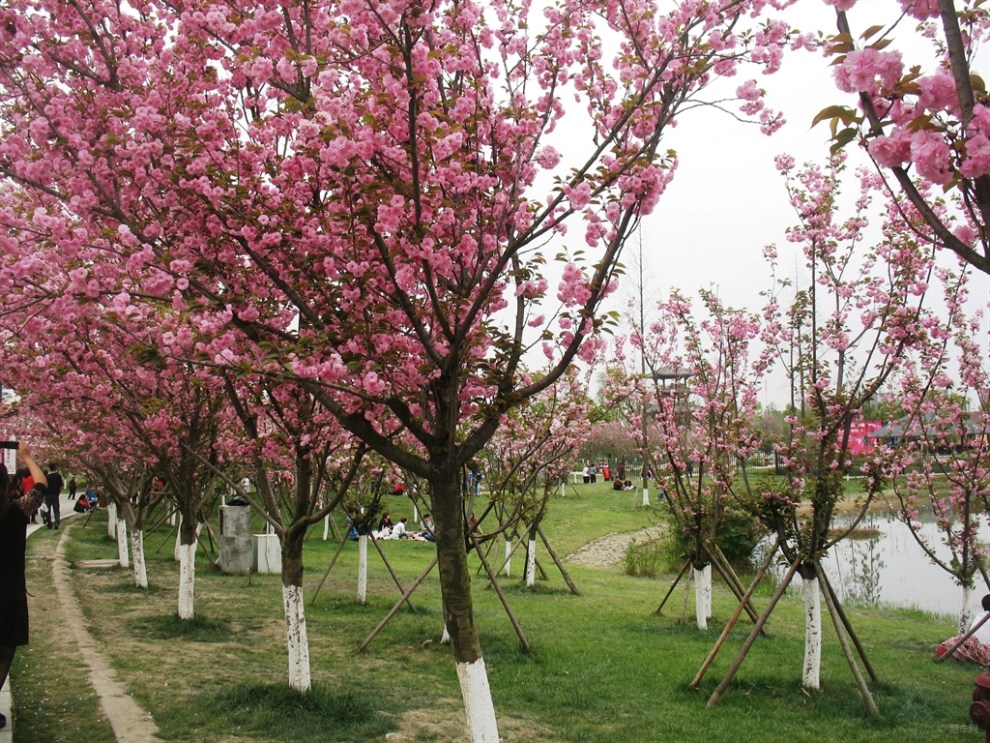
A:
[15, 510]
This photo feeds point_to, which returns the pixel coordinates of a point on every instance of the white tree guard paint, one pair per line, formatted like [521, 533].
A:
[112, 520]
[508, 555]
[297, 641]
[122, 546]
[326, 527]
[646, 496]
[478, 706]
[811, 673]
[362, 586]
[531, 564]
[563, 488]
[187, 580]
[965, 614]
[703, 595]
[139, 566]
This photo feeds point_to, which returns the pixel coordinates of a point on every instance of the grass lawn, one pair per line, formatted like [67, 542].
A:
[604, 667]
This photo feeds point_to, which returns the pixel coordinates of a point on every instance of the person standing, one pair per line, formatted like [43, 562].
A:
[52, 493]
[14, 511]
[72, 488]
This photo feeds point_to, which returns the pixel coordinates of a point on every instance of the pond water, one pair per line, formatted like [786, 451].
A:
[890, 568]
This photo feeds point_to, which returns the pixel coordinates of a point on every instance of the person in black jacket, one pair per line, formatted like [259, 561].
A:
[15, 508]
[52, 493]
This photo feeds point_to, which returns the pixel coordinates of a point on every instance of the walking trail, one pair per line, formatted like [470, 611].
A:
[130, 723]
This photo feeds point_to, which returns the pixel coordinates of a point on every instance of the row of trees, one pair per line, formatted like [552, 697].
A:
[290, 235]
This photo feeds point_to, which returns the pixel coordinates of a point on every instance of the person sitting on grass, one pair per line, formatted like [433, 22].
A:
[15, 510]
[83, 505]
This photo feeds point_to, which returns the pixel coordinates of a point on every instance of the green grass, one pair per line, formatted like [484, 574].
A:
[603, 669]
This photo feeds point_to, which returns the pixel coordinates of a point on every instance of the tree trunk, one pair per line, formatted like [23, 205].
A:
[112, 520]
[139, 565]
[703, 595]
[187, 569]
[455, 586]
[508, 555]
[122, 556]
[531, 561]
[811, 674]
[646, 494]
[297, 640]
[362, 586]
[965, 614]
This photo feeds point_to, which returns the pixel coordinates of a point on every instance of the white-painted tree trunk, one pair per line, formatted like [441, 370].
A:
[563, 487]
[415, 515]
[297, 641]
[112, 520]
[187, 580]
[139, 564]
[531, 563]
[478, 706]
[965, 614]
[508, 555]
[326, 527]
[646, 495]
[362, 586]
[122, 556]
[703, 595]
[811, 674]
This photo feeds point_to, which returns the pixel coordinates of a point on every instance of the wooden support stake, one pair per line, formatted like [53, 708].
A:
[502, 597]
[717, 694]
[391, 572]
[849, 629]
[557, 562]
[405, 597]
[864, 690]
[673, 586]
[735, 618]
[326, 573]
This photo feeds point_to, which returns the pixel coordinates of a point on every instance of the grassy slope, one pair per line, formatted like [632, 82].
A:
[604, 668]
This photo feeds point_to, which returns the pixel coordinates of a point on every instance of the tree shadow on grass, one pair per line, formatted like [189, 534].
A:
[278, 712]
[170, 627]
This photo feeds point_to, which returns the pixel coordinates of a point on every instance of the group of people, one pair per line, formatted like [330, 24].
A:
[591, 471]
[387, 529]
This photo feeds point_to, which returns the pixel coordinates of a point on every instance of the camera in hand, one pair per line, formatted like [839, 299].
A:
[8, 444]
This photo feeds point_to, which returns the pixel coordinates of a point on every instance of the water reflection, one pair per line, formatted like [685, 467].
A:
[887, 567]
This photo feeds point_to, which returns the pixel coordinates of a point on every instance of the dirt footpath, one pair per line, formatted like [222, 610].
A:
[130, 723]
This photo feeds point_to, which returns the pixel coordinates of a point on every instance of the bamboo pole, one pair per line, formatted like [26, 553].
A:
[326, 573]
[673, 586]
[405, 597]
[864, 690]
[395, 577]
[502, 597]
[717, 694]
[849, 629]
[735, 618]
[557, 562]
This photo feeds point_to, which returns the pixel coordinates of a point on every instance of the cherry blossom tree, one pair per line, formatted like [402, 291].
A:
[360, 196]
[303, 465]
[841, 332]
[923, 118]
[935, 458]
[704, 379]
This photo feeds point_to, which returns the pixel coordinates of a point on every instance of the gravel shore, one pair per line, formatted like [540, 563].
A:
[610, 551]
